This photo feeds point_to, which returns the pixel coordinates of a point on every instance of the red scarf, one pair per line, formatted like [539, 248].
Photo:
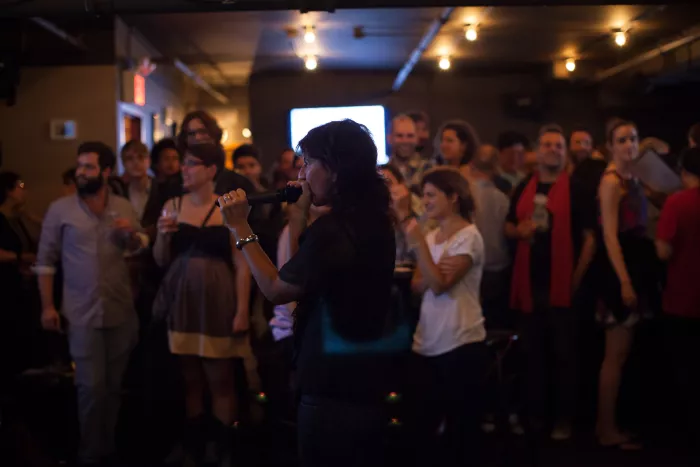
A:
[559, 205]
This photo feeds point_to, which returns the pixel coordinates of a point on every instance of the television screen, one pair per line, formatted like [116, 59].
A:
[301, 121]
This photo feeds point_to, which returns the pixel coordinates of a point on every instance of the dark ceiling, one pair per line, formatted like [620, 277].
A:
[63, 7]
[226, 47]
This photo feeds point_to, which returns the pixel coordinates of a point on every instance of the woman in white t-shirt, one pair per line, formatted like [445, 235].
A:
[449, 340]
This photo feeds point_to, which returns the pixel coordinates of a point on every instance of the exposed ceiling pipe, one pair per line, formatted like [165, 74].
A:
[689, 37]
[52, 28]
[423, 45]
[199, 81]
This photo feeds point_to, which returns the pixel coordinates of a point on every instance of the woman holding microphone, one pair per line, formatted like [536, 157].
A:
[341, 275]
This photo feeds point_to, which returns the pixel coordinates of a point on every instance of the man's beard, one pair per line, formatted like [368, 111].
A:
[89, 186]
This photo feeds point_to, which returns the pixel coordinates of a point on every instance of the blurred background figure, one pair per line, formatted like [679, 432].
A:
[20, 344]
[246, 161]
[285, 169]
[511, 155]
[455, 142]
[422, 121]
[165, 159]
[694, 135]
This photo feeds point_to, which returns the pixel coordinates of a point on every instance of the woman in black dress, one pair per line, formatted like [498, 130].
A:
[204, 295]
[626, 271]
[341, 275]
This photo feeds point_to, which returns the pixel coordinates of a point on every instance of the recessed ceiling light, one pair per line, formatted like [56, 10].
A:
[445, 63]
[311, 63]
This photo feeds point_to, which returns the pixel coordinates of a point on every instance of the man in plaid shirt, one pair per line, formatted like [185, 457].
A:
[403, 139]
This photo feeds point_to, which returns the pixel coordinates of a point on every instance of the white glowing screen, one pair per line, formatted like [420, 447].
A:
[301, 121]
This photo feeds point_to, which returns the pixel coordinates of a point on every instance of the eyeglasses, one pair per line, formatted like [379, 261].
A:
[197, 132]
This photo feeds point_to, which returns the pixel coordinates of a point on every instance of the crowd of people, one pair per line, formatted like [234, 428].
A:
[377, 278]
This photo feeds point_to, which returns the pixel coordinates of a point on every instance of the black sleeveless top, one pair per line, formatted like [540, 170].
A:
[207, 241]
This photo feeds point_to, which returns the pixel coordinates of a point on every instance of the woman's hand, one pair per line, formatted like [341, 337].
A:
[629, 296]
[241, 323]
[167, 224]
[414, 233]
[300, 209]
[234, 209]
[401, 200]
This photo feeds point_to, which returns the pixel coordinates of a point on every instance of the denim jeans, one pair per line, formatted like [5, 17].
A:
[101, 357]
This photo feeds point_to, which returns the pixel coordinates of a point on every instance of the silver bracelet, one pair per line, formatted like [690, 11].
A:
[246, 240]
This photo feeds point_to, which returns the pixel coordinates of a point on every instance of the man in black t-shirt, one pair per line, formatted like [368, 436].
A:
[552, 218]
[584, 167]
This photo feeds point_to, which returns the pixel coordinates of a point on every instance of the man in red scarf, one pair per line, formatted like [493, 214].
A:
[552, 218]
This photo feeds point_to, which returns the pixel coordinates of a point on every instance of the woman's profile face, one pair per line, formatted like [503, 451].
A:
[625, 143]
[18, 194]
[451, 148]
[319, 179]
[437, 204]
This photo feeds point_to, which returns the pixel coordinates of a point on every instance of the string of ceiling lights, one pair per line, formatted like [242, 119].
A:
[472, 24]
[310, 61]
[620, 37]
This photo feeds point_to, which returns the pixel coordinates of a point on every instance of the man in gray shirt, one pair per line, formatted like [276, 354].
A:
[89, 233]
[490, 218]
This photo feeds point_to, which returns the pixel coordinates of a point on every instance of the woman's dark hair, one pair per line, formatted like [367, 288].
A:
[452, 182]
[347, 150]
[612, 126]
[159, 147]
[465, 133]
[209, 122]
[395, 172]
[210, 154]
[8, 182]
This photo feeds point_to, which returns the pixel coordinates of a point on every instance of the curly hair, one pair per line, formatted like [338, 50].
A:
[209, 122]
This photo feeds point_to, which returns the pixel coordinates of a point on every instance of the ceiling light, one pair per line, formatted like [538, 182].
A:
[570, 64]
[470, 33]
[444, 63]
[309, 34]
[246, 133]
[310, 62]
[621, 38]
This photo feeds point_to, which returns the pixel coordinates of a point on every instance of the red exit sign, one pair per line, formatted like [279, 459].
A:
[139, 90]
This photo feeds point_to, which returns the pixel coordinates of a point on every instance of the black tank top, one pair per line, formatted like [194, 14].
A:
[211, 241]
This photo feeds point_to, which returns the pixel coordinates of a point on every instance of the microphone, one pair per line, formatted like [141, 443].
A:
[289, 194]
